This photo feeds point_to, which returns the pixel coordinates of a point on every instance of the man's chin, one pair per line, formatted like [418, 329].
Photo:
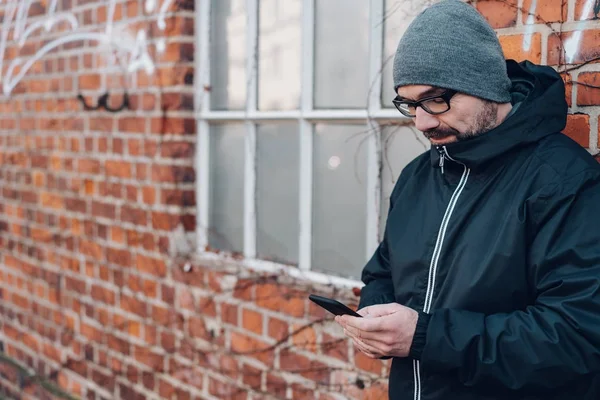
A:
[443, 140]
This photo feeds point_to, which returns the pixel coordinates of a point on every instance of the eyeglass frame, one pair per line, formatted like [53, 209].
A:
[446, 96]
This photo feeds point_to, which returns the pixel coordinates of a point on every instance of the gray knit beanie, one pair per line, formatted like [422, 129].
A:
[450, 45]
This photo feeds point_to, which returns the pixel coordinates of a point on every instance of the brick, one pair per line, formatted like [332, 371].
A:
[30, 341]
[164, 221]
[117, 146]
[499, 14]
[375, 392]
[103, 210]
[304, 337]
[588, 47]
[131, 193]
[119, 169]
[185, 300]
[91, 332]
[161, 315]
[197, 328]
[51, 200]
[171, 76]
[252, 376]
[89, 82]
[245, 345]
[276, 385]
[586, 10]
[104, 380]
[514, 47]
[52, 352]
[103, 295]
[173, 174]
[39, 161]
[289, 361]
[119, 345]
[567, 79]
[546, 11]
[229, 313]
[252, 321]
[177, 197]
[367, 364]
[119, 257]
[134, 216]
[151, 265]
[173, 126]
[129, 393]
[102, 144]
[132, 125]
[578, 128]
[277, 329]
[588, 89]
[277, 297]
[224, 390]
[133, 305]
[91, 249]
[302, 392]
[177, 101]
[75, 285]
[177, 149]
[88, 166]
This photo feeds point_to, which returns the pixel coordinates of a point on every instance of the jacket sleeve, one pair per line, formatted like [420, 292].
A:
[376, 275]
[378, 288]
[557, 338]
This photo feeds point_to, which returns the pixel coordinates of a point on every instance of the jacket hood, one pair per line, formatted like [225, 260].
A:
[542, 111]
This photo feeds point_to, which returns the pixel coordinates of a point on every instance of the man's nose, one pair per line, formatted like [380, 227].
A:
[425, 121]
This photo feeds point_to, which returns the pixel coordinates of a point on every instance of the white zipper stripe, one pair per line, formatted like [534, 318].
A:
[440, 241]
[417, 376]
[437, 251]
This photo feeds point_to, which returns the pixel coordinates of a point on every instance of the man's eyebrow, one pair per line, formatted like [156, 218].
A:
[427, 93]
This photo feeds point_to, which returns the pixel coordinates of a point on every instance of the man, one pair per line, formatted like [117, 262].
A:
[487, 282]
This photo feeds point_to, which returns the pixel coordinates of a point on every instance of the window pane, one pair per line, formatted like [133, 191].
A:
[398, 15]
[339, 199]
[226, 230]
[279, 54]
[400, 145]
[341, 53]
[228, 55]
[277, 178]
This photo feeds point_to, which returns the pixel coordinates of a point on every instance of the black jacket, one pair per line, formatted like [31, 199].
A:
[500, 254]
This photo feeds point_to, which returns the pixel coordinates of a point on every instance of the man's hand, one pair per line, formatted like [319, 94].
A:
[385, 330]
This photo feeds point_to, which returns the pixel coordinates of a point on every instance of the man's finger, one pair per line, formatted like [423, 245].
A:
[368, 349]
[375, 324]
[379, 310]
[375, 337]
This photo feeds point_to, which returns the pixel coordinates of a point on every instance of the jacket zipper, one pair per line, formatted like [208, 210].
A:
[437, 250]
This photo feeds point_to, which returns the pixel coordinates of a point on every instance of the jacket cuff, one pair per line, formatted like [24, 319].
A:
[379, 298]
[420, 336]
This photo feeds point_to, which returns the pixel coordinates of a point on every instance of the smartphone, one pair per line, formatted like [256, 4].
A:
[333, 306]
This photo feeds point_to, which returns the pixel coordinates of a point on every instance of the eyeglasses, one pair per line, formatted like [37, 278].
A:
[434, 105]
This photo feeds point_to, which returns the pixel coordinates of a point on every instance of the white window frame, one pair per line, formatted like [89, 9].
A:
[306, 117]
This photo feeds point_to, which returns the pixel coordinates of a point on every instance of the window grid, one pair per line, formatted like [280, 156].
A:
[306, 116]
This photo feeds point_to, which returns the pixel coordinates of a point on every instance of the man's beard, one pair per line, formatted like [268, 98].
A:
[483, 122]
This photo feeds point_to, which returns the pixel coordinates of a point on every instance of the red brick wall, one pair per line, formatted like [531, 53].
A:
[97, 215]
[90, 201]
[565, 35]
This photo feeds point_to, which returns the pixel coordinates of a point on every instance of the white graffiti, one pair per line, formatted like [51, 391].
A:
[530, 22]
[572, 44]
[130, 51]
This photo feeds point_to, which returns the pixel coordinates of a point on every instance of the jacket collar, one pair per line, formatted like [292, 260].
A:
[543, 111]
